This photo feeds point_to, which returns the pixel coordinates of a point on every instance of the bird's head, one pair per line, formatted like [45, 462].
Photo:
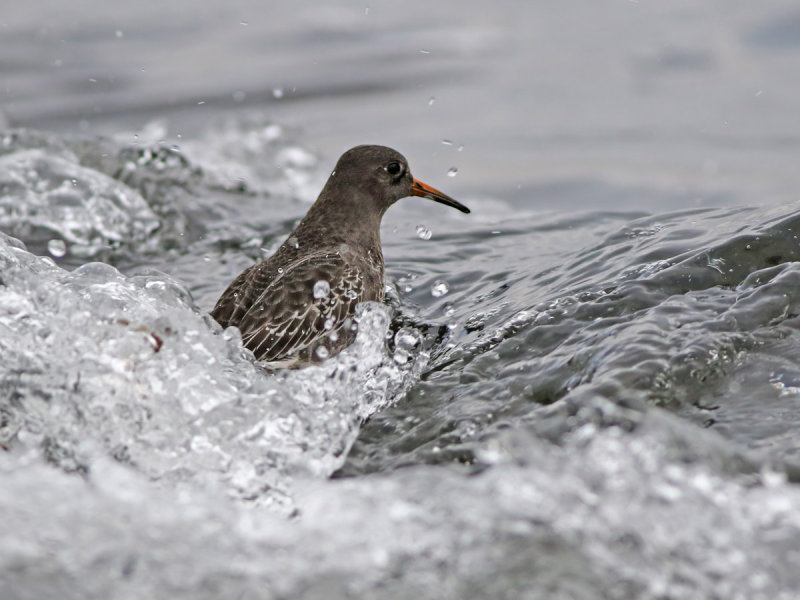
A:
[377, 177]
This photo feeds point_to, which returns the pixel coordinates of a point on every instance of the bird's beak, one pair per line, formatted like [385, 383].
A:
[425, 191]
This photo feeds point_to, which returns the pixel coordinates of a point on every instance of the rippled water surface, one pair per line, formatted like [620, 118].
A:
[587, 388]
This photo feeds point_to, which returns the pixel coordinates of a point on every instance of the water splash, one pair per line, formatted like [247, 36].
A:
[150, 382]
[47, 195]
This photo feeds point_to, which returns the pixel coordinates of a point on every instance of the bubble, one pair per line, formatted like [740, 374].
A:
[452, 171]
[57, 248]
[322, 352]
[330, 322]
[277, 93]
[119, 33]
[431, 100]
[439, 288]
[292, 241]
[321, 289]
[447, 142]
[423, 232]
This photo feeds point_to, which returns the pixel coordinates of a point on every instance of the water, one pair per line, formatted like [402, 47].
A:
[586, 388]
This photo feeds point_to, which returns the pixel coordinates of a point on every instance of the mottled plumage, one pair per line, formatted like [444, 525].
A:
[283, 318]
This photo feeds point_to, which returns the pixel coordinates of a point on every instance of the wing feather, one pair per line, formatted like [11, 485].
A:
[242, 293]
[287, 321]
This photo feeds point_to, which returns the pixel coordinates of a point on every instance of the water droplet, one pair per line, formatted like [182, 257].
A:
[424, 51]
[277, 93]
[423, 232]
[344, 249]
[452, 172]
[322, 352]
[449, 309]
[321, 289]
[330, 322]
[280, 270]
[460, 147]
[244, 23]
[333, 336]
[447, 142]
[292, 241]
[431, 100]
[57, 248]
[119, 33]
[439, 288]
[366, 10]
[201, 102]
[405, 342]
[351, 294]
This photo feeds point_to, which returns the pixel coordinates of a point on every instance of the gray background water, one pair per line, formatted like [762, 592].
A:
[604, 404]
[554, 103]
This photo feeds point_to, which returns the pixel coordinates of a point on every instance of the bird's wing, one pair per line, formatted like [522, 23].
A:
[287, 318]
[242, 293]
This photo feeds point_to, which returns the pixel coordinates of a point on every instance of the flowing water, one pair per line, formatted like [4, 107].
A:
[587, 388]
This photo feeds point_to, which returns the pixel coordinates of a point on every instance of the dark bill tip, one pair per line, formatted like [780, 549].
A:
[425, 191]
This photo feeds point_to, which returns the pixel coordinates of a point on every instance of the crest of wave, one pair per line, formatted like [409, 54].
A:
[49, 194]
[96, 363]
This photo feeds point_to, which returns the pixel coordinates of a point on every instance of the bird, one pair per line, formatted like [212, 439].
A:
[296, 307]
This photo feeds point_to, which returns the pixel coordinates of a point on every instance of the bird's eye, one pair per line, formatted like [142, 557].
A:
[394, 168]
